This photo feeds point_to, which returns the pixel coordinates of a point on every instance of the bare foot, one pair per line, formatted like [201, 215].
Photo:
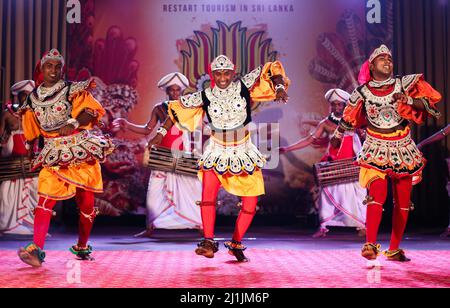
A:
[446, 233]
[146, 233]
[200, 231]
[370, 251]
[322, 232]
[362, 232]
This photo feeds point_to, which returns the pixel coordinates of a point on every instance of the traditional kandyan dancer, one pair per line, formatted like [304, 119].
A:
[340, 204]
[387, 105]
[230, 159]
[63, 113]
[171, 198]
[18, 197]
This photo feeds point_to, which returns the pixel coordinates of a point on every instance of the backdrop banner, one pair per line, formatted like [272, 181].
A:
[129, 45]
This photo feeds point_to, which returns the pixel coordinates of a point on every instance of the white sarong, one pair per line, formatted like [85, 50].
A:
[18, 199]
[171, 201]
[341, 205]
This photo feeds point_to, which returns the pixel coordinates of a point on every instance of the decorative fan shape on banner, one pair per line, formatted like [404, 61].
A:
[114, 58]
[340, 55]
[247, 48]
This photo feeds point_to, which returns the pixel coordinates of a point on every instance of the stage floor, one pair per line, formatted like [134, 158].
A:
[280, 258]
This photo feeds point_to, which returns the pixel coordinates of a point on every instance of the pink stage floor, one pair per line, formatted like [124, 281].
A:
[280, 268]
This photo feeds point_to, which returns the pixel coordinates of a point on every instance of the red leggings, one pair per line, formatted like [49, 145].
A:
[211, 185]
[85, 202]
[401, 188]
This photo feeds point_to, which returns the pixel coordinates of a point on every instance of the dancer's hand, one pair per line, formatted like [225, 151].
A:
[283, 150]
[66, 130]
[282, 96]
[156, 140]
[335, 142]
[120, 123]
[400, 98]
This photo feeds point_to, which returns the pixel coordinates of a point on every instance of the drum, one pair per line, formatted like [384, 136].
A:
[167, 160]
[336, 172]
[12, 168]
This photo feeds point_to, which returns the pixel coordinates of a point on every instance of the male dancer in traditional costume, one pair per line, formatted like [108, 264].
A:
[230, 160]
[18, 197]
[341, 204]
[63, 113]
[171, 198]
[387, 105]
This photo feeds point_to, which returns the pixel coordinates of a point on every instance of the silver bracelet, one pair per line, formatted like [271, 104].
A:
[91, 112]
[280, 86]
[161, 130]
[337, 134]
[73, 122]
[410, 101]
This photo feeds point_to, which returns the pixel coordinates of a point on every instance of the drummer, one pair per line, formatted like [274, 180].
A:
[17, 197]
[171, 198]
[339, 205]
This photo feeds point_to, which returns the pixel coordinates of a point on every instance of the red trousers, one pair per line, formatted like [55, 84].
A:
[401, 188]
[211, 185]
[44, 210]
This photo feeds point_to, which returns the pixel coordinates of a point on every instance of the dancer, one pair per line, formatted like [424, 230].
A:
[230, 160]
[341, 204]
[63, 113]
[18, 197]
[387, 105]
[171, 198]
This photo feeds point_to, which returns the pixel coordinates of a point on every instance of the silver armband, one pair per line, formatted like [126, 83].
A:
[410, 101]
[73, 122]
[280, 86]
[162, 131]
[337, 134]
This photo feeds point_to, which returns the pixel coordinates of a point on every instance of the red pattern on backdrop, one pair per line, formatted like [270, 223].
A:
[111, 60]
[79, 60]
[341, 54]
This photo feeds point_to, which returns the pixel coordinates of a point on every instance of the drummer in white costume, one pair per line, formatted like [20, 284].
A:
[171, 198]
[340, 205]
[17, 197]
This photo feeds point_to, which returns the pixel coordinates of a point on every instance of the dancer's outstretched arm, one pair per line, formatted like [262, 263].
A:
[160, 135]
[304, 142]
[147, 129]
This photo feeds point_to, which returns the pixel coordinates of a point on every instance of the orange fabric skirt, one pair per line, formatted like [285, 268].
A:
[61, 183]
